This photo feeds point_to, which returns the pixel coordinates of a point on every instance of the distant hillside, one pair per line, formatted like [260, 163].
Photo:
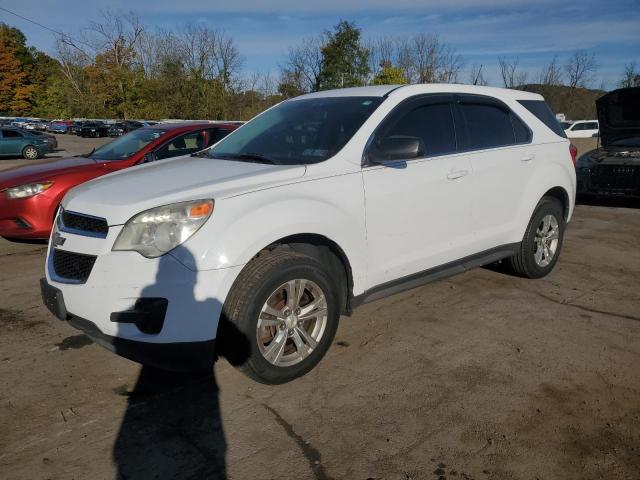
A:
[578, 104]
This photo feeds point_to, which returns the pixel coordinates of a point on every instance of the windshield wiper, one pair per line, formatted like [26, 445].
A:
[88, 155]
[252, 157]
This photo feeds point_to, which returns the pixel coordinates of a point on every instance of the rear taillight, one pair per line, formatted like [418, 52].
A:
[574, 153]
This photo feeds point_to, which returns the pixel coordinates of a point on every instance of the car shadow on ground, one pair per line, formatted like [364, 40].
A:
[601, 201]
[172, 427]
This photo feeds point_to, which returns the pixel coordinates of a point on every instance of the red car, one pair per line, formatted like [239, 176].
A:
[30, 194]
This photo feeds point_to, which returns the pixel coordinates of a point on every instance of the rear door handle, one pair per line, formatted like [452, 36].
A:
[457, 174]
[528, 157]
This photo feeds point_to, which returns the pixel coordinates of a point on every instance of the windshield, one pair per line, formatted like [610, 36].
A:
[298, 132]
[127, 145]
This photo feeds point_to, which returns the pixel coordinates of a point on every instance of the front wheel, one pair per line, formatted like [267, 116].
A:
[542, 242]
[286, 307]
[30, 153]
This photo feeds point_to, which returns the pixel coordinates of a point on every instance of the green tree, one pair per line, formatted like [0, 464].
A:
[389, 75]
[344, 59]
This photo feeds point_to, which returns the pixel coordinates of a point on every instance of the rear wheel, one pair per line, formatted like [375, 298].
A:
[286, 307]
[31, 153]
[542, 242]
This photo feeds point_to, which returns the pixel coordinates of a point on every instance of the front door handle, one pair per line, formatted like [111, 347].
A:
[528, 157]
[457, 174]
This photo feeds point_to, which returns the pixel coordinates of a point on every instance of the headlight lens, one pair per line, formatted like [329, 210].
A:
[29, 190]
[155, 232]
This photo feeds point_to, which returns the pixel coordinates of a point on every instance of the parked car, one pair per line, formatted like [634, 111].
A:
[59, 126]
[75, 128]
[30, 195]
[582, 129]
[319, 204]
[94, 129]
[613, 169]
[42, 125]
[17, 142]
[53, 141]
[120, 128]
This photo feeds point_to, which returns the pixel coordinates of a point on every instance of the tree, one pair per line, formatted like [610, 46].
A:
[344, 59]
[631, 77]
[476, 77]
[389, 75]
[580, 69]
[551, 73]
[15, 93]
[512, 77]
[302, 69]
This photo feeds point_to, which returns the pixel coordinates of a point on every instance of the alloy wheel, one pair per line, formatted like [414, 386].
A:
[546, 240]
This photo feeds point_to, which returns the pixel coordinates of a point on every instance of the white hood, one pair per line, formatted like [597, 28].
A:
[120, 195]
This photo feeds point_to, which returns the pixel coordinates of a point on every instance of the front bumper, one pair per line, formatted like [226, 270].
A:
[592, 183]
[107, 306]
[27, 218]
[183, 356]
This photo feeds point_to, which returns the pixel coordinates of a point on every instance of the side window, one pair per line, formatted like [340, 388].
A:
[487, 125]
[432, 123]
[521, 131]
[592, 126]
[182, 145]
[11, 134]
[216, 134]
[578, 126]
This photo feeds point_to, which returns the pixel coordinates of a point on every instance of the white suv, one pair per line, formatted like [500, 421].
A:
[583, 129]
[318, 205]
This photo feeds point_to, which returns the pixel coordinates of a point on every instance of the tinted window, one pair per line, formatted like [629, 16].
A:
[542, 111]
[591, 126]
[216, 135]
[11, 134]
[487, 126]
[183, 145]
[521, 131]
[433, 124]
[298, 132]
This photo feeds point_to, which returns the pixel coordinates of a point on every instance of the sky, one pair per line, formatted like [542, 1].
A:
[480, 30]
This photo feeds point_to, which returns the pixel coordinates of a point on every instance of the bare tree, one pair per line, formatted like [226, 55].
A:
[476, 77]
[382, 51]
[551, 73]
[304, 64]
[73, 60]
[511, 76]
[631, 76]
[580, 69]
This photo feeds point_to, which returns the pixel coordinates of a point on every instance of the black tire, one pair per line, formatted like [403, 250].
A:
[523, 263]
[237, 333]
[30, 152]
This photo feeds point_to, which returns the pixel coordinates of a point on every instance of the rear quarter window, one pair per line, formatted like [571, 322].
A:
[543, 113]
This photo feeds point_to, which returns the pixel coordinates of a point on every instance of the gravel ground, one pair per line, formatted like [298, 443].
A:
[481, 376]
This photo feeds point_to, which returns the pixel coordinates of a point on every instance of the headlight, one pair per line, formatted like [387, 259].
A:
[157, 231]
[29, 190]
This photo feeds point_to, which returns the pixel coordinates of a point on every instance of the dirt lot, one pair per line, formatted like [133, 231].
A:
[482, 376]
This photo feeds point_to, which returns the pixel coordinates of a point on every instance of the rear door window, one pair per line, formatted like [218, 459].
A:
[487, 126]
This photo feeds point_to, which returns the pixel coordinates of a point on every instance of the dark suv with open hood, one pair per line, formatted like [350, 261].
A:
[614, 167]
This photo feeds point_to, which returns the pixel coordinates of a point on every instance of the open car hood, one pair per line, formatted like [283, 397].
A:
[619, 115]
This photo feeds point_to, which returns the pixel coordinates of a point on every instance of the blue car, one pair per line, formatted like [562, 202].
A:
[58, 127]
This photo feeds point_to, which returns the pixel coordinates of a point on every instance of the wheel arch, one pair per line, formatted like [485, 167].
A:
[327, 252]
[561, 194]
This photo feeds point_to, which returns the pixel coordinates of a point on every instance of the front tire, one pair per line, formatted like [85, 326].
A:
[285, 306]
[542, 242]
[30, 153]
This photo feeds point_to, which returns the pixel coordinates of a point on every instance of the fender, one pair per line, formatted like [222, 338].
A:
[547, 175]
[252, 222]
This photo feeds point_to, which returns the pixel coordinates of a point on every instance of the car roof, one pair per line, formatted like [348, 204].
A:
[423, 88]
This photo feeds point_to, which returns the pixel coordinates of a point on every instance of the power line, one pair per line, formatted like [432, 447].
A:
[64, 35]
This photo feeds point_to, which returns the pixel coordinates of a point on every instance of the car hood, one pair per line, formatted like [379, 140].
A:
[619, 115]
[120, 195]
[42, 170]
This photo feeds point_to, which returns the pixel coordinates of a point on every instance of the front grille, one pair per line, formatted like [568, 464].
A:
[85, 223]
[72, 266]
[616, 176]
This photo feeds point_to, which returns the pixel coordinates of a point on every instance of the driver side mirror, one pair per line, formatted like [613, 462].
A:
[396, 148]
